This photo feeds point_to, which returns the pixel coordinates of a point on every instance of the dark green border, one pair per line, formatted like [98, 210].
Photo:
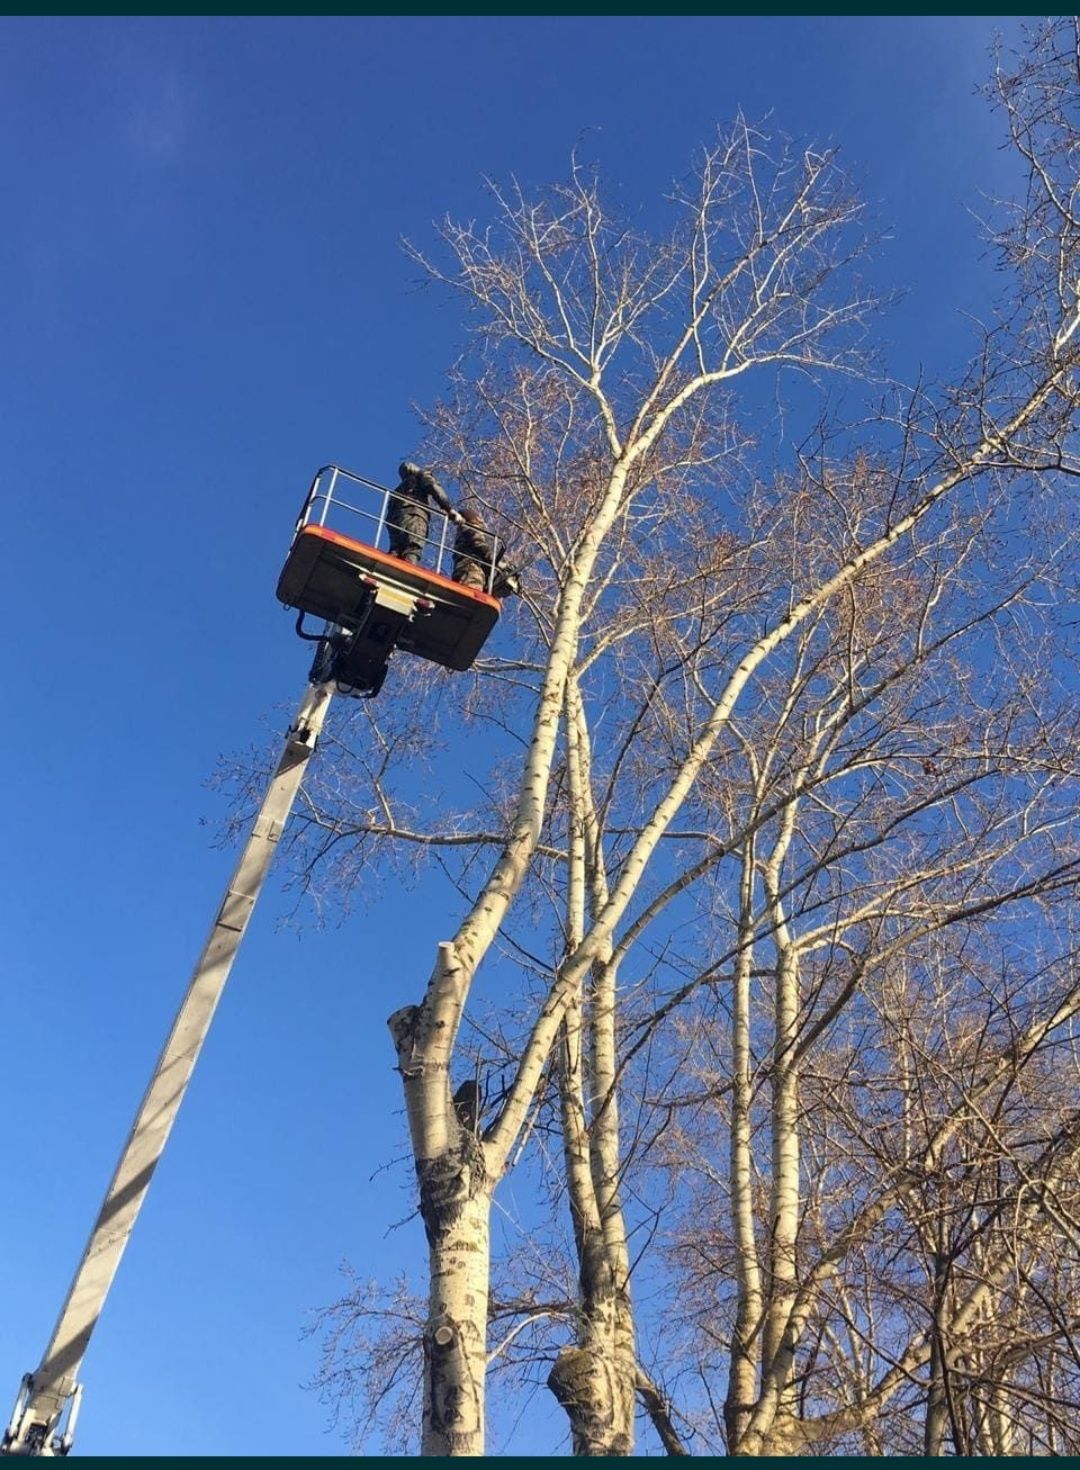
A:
[616, 10]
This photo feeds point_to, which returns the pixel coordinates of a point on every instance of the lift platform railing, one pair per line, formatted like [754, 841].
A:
[369, 522]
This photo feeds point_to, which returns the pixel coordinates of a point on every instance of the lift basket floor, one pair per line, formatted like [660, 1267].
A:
[325, 576]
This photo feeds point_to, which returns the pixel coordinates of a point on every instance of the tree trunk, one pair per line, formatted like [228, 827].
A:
[937, 1408]
[742, 1375]
[784, 1203]
[455, 1339]
[618, 1325]
[591, 1379]
[456, 1188]
[594, 1378]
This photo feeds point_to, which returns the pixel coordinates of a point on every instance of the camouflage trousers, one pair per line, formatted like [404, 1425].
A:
[470, 573]
[407, 528]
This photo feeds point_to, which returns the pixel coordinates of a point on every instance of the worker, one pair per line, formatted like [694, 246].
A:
[408, 515]
[468, 1101]
[478, 561]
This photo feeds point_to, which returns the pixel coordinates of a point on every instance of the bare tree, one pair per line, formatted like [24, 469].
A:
[745, 281]
[792, 667]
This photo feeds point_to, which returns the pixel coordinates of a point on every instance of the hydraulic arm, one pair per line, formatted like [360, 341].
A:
[43, 1420]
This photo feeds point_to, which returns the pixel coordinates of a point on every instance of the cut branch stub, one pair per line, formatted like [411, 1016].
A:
[402, 1025]
[454, 1397]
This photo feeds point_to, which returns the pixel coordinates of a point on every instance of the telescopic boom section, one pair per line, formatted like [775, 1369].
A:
[43, 1419]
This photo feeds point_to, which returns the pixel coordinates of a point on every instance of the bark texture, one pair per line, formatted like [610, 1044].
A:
[455, 1204]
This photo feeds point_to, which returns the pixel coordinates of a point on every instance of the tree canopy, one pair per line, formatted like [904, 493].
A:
[765, 976]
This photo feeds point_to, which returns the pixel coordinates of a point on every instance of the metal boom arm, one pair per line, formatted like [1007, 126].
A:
[52, 1389]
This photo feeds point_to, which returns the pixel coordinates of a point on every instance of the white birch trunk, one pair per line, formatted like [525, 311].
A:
[589, 1378]
[742, 1386]
[456, 1190]
[455, 1338]
[784, 1205]
[606, 1166]
[594, 1380]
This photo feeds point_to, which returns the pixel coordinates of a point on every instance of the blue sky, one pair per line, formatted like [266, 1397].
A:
[205, 299]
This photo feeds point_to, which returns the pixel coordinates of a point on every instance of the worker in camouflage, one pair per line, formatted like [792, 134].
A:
[468, 1102]
[477, 556]
[408, 515]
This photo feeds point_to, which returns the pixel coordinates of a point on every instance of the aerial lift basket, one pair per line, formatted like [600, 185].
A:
[340, 569]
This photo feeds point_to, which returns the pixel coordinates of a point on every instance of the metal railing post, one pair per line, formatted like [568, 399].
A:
[329, 497]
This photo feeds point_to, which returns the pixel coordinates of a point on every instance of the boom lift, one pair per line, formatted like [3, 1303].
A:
[372, 602]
